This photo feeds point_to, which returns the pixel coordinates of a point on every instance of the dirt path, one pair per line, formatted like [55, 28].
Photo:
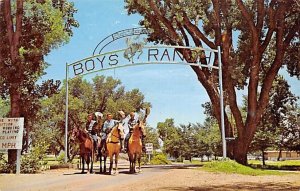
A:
[176, 178]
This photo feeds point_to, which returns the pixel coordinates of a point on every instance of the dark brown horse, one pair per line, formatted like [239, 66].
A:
[86, 148]
[102, 155]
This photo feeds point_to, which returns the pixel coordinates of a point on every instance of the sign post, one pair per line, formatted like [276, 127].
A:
[11, 135]
[149, 150]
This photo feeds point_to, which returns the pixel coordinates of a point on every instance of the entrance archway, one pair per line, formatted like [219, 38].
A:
[136, 54]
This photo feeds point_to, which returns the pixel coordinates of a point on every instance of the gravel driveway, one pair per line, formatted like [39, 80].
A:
[163, 178]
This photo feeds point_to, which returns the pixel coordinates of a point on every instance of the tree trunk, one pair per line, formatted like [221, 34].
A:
[240, 151]
[280, 154]
[263, 157]
[15, 97]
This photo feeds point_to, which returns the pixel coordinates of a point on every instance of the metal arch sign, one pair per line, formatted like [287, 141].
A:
[150, 55]
[137, 53]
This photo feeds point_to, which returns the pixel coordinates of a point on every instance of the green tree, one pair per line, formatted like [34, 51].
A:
[273, 129]
[152, 137]
[171, 136]
[103, 94]
[4, 105]
[29, 29]
[261, 26]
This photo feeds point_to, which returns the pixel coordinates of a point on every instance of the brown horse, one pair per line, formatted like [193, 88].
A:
[135, 142]
[135, 146]
[102, 155]
[113, 145]
[86, 147]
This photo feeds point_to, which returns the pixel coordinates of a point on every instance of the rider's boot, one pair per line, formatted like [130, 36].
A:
[143, 145]
[121, 146]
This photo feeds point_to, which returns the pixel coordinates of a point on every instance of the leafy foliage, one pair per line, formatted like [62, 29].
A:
[152, 137]
[278, 125]
[29, 29]
[103, 94]
[159, 159]
[268, 38]
[193, 140]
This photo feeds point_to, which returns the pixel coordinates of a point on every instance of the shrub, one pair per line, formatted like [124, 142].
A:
[61, 157]
[33, 161]
[159, 158]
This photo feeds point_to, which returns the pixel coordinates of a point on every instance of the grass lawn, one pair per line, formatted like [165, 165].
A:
[232, 167]
[276, 163]
[53, 161]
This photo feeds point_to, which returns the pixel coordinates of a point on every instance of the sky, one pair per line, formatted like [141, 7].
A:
[173, 90]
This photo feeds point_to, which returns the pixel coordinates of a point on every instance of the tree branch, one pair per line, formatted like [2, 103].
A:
[165, 21]
[248, 18]
[217, 26]
[267, 82]
[18, 31]
[271, 28]
[9, 26]
[260, 15]
[195, 32]
[185, 37]
[292, 33]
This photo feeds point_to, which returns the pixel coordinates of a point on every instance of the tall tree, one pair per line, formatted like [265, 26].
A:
[152, 137]
[29, 29]
[84, 98]
[214, 23]
[275, 126]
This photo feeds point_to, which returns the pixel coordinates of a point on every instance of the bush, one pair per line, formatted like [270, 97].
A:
[159, 159]
[33, 161]
[61, 158]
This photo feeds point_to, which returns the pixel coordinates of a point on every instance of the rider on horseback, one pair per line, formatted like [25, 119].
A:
[108, 125]
[131, 123]
[91, 127]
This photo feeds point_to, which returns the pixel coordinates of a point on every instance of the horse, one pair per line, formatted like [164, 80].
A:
[102, 153]
[133, 48]
[113, 140]
[86, 148]
[135, 146]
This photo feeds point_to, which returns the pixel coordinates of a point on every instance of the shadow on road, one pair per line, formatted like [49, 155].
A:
[238, 186]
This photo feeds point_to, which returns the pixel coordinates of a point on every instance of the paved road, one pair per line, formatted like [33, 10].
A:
[153, 178]
[71, 179]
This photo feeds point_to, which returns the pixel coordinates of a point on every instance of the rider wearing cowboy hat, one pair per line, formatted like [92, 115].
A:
[91, 125]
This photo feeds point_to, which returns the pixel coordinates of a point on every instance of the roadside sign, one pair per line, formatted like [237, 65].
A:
[11, 133]
[149, 148]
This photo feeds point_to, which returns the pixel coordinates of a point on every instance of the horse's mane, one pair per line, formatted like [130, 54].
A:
[83, 133]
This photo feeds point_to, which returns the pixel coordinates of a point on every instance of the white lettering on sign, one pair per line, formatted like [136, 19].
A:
[11, 133]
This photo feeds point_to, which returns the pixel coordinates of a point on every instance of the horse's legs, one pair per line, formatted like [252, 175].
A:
[130, 163]
[82, 161]
[139, 161]
[88, 163]
[92, 161]
[116, 163]
[105, 157]
[111, 163]
[100, 158]
[134, 161]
